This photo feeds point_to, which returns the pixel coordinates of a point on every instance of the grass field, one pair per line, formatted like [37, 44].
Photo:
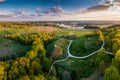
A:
[65, 32]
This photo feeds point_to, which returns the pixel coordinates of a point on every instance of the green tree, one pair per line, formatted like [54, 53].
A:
[115, 47]
[111, 74]
[31, 55]
[39, 77]
[101, 56]
[36, 67]
[101, 36]
[117, 60]
[2, 73]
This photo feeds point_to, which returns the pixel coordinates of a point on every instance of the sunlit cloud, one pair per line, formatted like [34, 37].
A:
[2, 1]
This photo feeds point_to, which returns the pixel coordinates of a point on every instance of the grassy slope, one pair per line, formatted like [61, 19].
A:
[61, 44]
[10, 47]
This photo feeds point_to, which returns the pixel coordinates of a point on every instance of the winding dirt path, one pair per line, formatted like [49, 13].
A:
[77, 57]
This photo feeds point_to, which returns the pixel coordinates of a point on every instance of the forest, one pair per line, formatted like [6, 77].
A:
[32, 65]
[28, 54]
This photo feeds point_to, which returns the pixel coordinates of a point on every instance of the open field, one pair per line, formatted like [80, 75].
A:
[44, 29]
[66, 32]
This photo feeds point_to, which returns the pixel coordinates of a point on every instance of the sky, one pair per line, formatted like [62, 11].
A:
[52, 10]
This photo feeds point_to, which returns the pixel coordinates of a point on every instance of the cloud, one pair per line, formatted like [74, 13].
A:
[2, 1]
[103, 5]
[5, 14]
[110, 2]
[93, 9]
[14, 14]
[115, 5]
[52, 10]
[56, 9]
[106, 2]
[20, 13]
[98, 8]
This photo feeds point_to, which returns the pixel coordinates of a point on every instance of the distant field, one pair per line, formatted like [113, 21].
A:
[44, 28]
[65, 32]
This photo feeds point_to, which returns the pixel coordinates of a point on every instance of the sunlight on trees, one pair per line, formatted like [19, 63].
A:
[111, 74]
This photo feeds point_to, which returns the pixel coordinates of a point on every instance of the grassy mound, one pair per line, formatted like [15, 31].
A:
[84, 46]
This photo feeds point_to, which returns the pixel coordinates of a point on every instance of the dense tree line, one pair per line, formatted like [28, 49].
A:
[112, 39]
[21, 24]
[28, 39]
[34, 65]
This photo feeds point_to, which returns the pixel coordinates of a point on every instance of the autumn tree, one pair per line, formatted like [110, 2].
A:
[101, 56]
[36, 67]
[111, 74]
[3, 74]
[39, 77]
[26, 77]
[101, 36]
[117, 60]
